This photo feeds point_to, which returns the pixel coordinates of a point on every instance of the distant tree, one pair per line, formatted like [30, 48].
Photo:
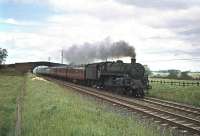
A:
[72, 64]
[185, 75]
[163, 71]
[158, 75]
[3, 55]
[173, 73]
[147, 70]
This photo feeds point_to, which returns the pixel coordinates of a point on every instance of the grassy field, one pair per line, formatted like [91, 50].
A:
[52, 110]
[10, 85]
[183, 94]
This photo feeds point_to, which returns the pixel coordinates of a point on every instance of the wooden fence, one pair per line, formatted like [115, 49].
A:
[178, 83]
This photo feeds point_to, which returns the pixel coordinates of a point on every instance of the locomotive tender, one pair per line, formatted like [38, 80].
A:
[126, 78]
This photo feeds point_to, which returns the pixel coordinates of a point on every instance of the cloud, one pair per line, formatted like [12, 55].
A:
[24, 1]
[159, 30]
[162, 4]
[29, 46]
[181, 17]
[11, 21]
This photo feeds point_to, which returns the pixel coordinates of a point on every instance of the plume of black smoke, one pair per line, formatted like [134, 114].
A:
[89, 52]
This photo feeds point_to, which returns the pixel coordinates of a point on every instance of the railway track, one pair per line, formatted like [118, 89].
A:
[183, 106]
[182, 109]
[173, 114]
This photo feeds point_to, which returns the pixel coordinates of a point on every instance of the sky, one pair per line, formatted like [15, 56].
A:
[165, 33]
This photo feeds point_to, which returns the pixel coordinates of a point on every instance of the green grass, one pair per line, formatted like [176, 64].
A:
[187, 94]
[10, 72]
[10, 85]
[174, 80]
[51, 110]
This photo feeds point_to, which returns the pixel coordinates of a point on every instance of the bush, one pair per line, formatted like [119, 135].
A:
[184, 75]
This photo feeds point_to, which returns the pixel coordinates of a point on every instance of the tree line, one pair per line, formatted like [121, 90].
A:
[170, 74]
[175, 74]
[3, 55]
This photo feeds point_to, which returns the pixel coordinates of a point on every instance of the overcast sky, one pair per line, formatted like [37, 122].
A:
[165, 33]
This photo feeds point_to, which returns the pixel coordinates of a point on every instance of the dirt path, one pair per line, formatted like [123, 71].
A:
[19, 109]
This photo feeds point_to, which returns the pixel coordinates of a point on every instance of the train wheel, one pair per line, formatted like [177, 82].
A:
[140, 93]
[130, 92]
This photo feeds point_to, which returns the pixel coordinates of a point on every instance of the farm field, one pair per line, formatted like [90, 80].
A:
[10, 86]
[185, 94]
[52, 110]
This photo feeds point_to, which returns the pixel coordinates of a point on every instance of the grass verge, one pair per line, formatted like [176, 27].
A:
[51, 110]
[10, 86]
[187, 94]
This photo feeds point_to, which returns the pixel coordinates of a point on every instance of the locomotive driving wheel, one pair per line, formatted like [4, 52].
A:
[140, 93]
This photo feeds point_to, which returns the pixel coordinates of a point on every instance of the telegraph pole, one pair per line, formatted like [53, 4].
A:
[49, 59]
[62, 56]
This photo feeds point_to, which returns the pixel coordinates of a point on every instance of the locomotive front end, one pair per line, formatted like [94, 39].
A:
[136, 74]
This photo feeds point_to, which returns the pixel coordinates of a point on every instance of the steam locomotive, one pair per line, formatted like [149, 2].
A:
[126, 78]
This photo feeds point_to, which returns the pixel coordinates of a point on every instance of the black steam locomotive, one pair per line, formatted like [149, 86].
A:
[126, 78]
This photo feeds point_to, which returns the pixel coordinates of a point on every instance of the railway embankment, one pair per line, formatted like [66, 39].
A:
[50, 109]
[10, 89]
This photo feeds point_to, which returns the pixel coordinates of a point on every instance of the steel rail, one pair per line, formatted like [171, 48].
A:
[181, 106]
[141, 105]
[189, 124]
[145, 110]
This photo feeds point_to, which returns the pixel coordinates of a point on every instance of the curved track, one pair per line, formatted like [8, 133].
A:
[163, 111]
[178, 108]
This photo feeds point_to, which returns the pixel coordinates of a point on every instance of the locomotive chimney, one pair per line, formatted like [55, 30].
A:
[133, 60]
